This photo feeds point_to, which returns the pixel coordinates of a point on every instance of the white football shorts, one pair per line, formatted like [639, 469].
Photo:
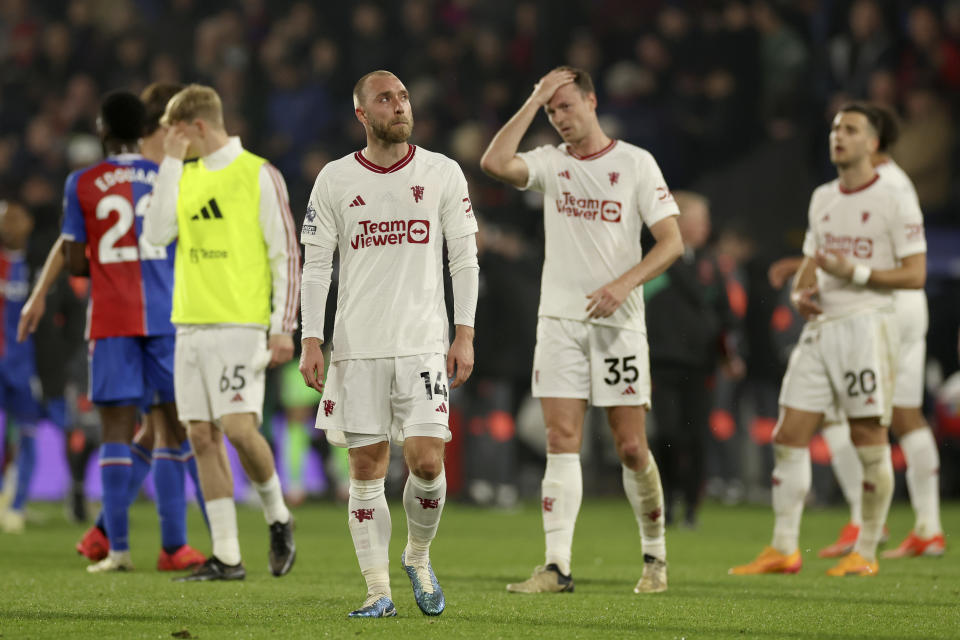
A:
[846, 361]
[606, 366]
[372, 400]
[912, 320]
[219, 370]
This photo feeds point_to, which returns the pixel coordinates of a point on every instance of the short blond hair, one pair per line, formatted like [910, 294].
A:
[358, 89]
[193, 102]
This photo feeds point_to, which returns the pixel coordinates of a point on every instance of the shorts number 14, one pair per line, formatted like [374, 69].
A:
[438, 388]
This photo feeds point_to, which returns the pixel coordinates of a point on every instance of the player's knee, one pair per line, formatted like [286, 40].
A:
[561, 439]
[633, 454]
[202, 441]
[427, 467]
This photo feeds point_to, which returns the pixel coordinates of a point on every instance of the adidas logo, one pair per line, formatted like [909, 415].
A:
[442, 408]
[564, 174]
[629, 391]
[205, 213]
[237, 398]
[357, 202]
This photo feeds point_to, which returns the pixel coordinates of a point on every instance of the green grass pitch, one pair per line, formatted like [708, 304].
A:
[45, 592]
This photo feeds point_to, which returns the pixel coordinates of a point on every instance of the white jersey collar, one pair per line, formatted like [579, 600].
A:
[223, 156]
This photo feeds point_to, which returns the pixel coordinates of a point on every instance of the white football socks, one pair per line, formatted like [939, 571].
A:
[222, 516]
[369, 519]
[846, 467]
[877, 494]
[645, 494]
[271, 497]
[562, 492]
[423, 501]
[791, 482]
[923, 480]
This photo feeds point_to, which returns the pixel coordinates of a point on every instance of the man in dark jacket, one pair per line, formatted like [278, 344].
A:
[688, 319]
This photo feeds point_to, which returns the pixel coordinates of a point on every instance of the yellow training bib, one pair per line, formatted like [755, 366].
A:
[221, 272]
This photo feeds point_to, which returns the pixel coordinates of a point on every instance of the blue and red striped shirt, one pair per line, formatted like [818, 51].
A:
[131, 281]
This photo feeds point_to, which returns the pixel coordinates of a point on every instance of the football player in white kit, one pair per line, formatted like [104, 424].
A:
[864, 239]
[908, 423]
[388, 209]
[591, 335]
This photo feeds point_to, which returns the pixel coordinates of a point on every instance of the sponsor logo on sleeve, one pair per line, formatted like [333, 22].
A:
[310, 229]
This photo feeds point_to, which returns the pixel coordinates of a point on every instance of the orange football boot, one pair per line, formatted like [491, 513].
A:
[186, 557]
[843, 544]
[853, 564]
[913, 546]
[770, 561]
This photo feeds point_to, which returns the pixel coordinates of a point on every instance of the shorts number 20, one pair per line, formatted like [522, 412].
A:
[865, 382]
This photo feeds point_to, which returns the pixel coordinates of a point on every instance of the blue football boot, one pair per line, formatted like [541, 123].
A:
[426, 589]
[375, 606]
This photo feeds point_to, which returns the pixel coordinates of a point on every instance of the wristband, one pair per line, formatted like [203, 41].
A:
[861, 274]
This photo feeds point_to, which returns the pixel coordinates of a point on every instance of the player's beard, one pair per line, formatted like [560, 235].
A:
[387, 132]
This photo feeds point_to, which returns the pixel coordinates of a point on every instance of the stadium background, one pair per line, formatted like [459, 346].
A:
[732, 98]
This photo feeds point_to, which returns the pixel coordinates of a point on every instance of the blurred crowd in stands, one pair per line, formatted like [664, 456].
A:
[732, 98]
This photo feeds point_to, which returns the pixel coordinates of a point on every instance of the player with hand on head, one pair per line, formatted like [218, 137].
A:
[864, 240]
[237, 278]
[591, 335]
[389, 209]
[131, 337]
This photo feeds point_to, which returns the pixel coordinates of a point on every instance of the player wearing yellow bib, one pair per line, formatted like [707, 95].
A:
[236, 276]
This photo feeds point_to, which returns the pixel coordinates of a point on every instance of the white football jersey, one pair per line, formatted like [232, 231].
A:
[877, 225]
[389, 224]
[594, 208]
[890, 170]
[911, 304]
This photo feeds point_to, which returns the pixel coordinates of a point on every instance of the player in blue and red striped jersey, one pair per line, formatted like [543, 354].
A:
[131, 337]
[17, 365]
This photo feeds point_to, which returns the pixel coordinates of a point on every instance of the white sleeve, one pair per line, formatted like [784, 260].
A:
[283, 251]
[654, 200]
[465, 277]
[457, 217]
[317, 270]
[537, 161]
[907, 228]
[320, 224]
[160, 216]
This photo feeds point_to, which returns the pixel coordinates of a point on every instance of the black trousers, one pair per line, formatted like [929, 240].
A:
[681, 407]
